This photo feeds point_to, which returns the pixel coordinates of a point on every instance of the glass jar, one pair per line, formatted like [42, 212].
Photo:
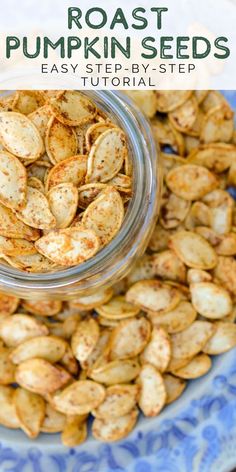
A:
[113, 261]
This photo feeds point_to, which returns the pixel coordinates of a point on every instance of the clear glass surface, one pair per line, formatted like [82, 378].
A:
[115, 260]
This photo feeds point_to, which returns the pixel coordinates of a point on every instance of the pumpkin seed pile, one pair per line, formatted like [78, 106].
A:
[133, 347]
[65, 180]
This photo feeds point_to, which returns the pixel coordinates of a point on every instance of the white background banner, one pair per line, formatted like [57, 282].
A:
[136, 47]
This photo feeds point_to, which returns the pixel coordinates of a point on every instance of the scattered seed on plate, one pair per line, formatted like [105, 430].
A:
[153, 295]
[17, 328]
[84, 339]
[223, 339]
[114, 429]
[152, 395]
[193, 250]
[210, 300]
[7, 368]
[168, 266]
[75, 430]
[8, 304]
[175, 320]
[117, 309]
[197, 367]
[119, 400]
[40, 376]
[183, 117]
[174, 387]
[217, 125]
[158, 351]
[30, 411]
[190, 341]
[8, 416]
[42, 307]
[192, 182]
[169, 100]
[129, 338]
[54, 421]
[115, 372]
[147, 101]
[79, 398]
[50, 348]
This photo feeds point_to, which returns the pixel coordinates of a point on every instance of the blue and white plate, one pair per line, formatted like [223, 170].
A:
[197, 433]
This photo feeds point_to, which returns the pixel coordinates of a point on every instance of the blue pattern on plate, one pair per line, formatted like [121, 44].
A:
[192, 440]
[197, 436]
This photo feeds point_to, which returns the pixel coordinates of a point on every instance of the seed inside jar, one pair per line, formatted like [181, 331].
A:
[63, 180]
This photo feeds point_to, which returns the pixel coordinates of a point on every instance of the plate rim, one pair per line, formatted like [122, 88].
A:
[195, 438]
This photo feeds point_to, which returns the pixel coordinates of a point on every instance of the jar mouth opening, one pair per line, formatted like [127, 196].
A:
[117, 106]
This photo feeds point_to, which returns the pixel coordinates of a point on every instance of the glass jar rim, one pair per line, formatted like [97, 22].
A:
[145, 184]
